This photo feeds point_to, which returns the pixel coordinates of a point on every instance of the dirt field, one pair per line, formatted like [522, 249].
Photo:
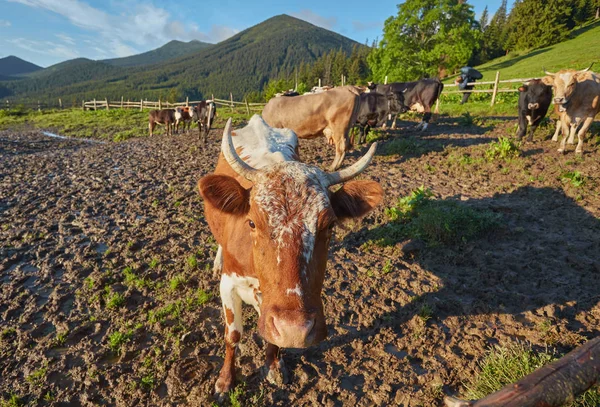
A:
[108, 297]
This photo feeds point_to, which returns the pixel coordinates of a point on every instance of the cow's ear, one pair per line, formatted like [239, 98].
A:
[523, 88]
[548, 80]
[356, 198]
[225, 194]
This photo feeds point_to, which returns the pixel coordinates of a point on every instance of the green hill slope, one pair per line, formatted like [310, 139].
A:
[170, 50]
[577, 53]
[240, 64]
[12, 65]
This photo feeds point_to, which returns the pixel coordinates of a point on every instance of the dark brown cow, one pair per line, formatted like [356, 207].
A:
[165, 117]
[331, 113]
[204, 114]
[273, 218]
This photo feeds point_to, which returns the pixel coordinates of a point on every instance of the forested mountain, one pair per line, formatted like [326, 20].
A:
[240, 64]
[12, 65]
[170, 50]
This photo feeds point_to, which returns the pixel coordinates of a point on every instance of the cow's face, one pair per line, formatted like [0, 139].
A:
[537, 94]
[564, 84]
[289, 215]
[396, 102]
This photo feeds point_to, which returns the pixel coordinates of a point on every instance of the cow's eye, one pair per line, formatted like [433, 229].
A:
[251, 224]
[331, 227]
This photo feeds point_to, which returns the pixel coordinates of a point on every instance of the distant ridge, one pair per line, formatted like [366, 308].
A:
[12, 66]
[170, 50]
[241, 64]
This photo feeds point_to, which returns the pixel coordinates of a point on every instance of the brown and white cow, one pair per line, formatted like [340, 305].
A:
[331, 113]
[577, 94]
[165, 117]
[273, 218]
[183, 115]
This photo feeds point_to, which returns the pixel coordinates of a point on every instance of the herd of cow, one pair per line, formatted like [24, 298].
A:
[203, 114]
[273, 216]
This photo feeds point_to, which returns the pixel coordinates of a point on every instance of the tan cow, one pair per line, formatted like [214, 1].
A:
[331, 113]
[273, 218]
[577, 94]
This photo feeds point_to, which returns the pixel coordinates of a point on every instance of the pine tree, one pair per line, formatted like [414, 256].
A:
[483, 21]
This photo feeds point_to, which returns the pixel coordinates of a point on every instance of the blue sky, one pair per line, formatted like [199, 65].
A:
[46, 32]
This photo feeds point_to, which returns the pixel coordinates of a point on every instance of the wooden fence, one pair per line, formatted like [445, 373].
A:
[142, 104]
[146, 104]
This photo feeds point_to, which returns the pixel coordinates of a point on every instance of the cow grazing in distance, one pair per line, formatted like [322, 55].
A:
[330, 113]
[165, 117]
[273, 218]
[534, 99]
[374, 109]
[204, 114]
[577, 94]
[183, 115]
[419, 96]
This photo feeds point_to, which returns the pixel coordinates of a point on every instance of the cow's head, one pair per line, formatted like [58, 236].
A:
[536, 92]
[289, 214]
[396, 102]
[564, 83]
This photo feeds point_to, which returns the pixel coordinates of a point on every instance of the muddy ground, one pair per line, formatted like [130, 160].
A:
[108, 298]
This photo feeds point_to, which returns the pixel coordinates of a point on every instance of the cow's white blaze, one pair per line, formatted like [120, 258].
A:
[296, 290]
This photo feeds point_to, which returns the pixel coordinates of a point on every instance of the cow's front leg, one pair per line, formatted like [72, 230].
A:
[232, 309]
[565, 134]
[276, 372]
[340, 152]
[557, 131]
[584, 128]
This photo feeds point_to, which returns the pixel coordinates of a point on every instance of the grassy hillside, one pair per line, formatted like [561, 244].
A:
[12, 65]
[170, 50]
[578, 53]
[240, 64]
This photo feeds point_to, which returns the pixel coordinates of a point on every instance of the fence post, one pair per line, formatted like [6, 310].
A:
[106, 101]
[83, 105]
[94, 103]
[160, 104]
[7, 104]
[319, 82]
[187, 101]
[247, 106]
[141, 104]
[213, 97]
[231, 100]
[495, 88]
[60, 103]
[121, 102]
[39, 107]
[385, 81]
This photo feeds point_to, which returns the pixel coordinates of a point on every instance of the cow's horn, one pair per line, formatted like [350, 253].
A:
[232, 157]
[547, 73]
[348, 173]
[588, 68]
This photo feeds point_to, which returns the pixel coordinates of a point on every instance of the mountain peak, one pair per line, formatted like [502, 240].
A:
[12, 66]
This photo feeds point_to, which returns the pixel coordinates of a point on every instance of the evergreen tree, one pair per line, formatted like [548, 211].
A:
[426, 38]
[483, 21]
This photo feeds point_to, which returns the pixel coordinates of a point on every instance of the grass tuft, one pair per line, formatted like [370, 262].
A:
[503, 149]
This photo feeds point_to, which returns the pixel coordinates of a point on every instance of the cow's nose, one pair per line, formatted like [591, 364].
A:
[559, 100]
[293, 334]
[533, 106]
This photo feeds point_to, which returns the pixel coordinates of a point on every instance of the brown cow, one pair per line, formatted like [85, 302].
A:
[164, 116]
[577, 94]
[204, 114]
[273, 218]
[331, 113]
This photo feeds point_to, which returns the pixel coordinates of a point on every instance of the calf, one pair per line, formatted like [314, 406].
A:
[204, 114]
[419, 96]
[534, 99]
[165, 117]
[330, 114]
[183, 115]
[374, 108]
[577, 94]
[273, 218]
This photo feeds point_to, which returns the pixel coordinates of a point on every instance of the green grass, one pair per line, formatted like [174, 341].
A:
[113, 299]
[503, 149]
[576, 53]
[436, 222]
[576, 178]
[507, 364]
[117, 339]
[12, 401]
[38, 377]
[114, 125]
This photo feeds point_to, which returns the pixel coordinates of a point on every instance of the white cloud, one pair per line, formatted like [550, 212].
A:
[5, 23]
[139, 26]
[316, 19]
[45, 48]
